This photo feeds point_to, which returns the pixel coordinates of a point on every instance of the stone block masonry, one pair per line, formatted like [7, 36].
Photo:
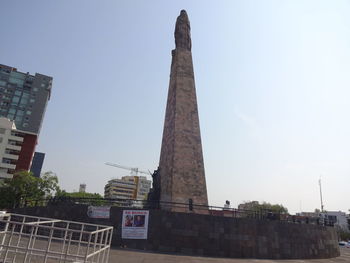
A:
[181, 166]
[215, 236]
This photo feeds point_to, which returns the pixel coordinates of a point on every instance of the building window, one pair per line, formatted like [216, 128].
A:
[35, 89]
[32, 100]
[18, 82]
[18, 119]
[25, 124]
[28, 112]
[5, 70]
[18, 93]
[29, 82]
[15, 100]
[24, 101]
[20, 112]
[12, 111]
[5, 160]
[18, 75]
[12, 142]
[10, 116]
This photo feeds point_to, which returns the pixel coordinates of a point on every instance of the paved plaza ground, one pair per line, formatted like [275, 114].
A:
[133, 256]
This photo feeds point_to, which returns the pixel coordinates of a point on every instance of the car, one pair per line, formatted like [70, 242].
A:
[344, 244]
[3, 213]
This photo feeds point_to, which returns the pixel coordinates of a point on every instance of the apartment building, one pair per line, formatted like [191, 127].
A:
[11, 141]
[128, 187]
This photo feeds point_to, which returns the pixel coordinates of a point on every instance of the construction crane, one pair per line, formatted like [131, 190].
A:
[134, 171]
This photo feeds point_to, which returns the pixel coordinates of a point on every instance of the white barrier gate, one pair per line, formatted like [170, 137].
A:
[34, 239]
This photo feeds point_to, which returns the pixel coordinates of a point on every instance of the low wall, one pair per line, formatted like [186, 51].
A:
[206, 235]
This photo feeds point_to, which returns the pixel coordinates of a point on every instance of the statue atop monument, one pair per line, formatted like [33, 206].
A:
[183, 31]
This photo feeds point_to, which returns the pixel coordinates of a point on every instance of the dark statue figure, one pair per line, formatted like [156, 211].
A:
[183, 32]
[154, 194]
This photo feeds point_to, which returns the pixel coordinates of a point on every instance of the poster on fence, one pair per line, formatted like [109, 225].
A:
[98, 211]
[135, 224]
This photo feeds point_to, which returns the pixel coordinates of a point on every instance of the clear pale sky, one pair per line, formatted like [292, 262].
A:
[272, 79]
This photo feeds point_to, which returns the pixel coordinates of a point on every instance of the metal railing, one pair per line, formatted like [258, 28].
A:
[35, 239]
[190, 207]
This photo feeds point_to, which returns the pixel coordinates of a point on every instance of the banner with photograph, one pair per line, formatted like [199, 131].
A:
[99, 211]
[135, 224]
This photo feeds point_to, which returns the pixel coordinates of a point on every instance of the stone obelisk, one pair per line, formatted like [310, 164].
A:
[181, 166]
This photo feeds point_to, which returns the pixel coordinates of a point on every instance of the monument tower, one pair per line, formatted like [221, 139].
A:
[181, 166]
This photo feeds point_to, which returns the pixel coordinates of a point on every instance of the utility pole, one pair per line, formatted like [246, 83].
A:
[319, 182]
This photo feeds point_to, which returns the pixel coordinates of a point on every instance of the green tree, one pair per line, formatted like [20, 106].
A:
[63, 193]
[25, 189]
[256, 206]
[89, 198]
[277, 208]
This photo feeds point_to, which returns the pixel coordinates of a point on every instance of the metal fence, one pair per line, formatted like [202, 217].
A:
[190, 207]
[28, 239]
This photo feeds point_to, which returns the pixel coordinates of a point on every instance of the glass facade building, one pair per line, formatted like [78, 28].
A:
[23, 100]
[37, 163]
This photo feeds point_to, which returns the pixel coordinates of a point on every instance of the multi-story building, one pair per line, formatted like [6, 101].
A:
[124, 188]
[82, 188]
[128, 187]
[309, 214]
[37, 163]
[23, 99]
[11, 141]
[143, 187]
[338, 218]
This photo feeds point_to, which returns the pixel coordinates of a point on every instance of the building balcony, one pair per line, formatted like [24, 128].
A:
[10, 156]
[16, 138]
[8, 166]
[13, 147]
[5, 175]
